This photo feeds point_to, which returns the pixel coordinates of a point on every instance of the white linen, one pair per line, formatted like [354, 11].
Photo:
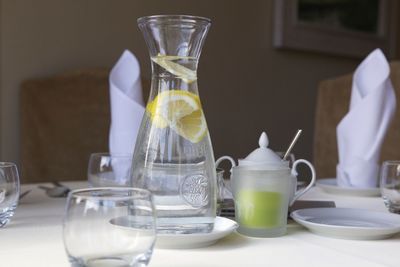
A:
[34, 238]
[361, 132]
[127, 106]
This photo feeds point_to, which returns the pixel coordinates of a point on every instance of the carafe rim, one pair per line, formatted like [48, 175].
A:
[162, 19]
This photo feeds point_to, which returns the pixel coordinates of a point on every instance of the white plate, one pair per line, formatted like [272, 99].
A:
[330, 186]
[222, 228]
[346, 223]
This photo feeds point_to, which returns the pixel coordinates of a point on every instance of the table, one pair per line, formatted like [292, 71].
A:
[33, 238]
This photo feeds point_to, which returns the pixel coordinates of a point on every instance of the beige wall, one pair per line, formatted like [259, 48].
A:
[246, 86]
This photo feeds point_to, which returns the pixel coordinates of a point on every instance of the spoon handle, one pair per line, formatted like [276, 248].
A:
[44, 187]
[292, 144]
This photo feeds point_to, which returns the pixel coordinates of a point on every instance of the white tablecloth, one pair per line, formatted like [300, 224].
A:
[33, 238]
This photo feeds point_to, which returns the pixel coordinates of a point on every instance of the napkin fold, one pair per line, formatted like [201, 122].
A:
[361, 132]
[127, 106]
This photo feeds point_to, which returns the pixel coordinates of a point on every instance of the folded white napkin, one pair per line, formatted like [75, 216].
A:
[127, 106]
[127, 109]
[361, 132]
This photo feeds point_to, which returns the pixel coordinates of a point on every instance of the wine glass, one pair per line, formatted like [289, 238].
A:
[9, 191]
[390, 185]
[107, 169]
[109, 226]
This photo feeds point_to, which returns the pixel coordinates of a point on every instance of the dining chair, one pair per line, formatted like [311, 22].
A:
[333, 102]
[64, 119]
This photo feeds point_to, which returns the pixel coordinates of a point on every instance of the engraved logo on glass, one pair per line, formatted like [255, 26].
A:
[194, 190]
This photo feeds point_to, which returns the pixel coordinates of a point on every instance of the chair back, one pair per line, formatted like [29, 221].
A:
[64, 119]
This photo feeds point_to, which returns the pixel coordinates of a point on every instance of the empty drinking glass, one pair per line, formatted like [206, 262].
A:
[9, 191]
[107, 169]
[112, 226]
[220, 191]
[390, 185]
[225, 206]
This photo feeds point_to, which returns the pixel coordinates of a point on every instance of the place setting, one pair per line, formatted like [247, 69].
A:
[361, 132]
[360, 135]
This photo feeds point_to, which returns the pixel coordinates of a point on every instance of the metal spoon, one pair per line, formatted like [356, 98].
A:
[56, 191]
[292, 144]
[61, 185]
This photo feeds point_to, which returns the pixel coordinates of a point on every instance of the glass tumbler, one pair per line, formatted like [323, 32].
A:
[110, 226]
[221, 188]
[225, 206]
[9, 191]
[390, 185]
[107, 169]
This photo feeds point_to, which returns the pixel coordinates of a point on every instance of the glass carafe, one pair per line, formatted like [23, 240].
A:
[173, 156]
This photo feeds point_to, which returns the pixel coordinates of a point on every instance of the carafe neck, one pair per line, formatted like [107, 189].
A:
[174, 35]
[174, 43]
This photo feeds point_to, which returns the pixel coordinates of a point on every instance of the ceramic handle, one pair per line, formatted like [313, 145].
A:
[294, 173]
[232, 161]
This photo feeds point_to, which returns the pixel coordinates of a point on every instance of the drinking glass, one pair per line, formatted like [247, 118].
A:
[107, 169]
[9, 191]
[109, 226]
[225, 204]
[390, 185]
[221, 188]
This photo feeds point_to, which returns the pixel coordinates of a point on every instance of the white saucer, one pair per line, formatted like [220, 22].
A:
[329, 185]
[222, 228]
[346, 223]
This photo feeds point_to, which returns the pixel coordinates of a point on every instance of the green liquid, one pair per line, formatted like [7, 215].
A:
[259, 209]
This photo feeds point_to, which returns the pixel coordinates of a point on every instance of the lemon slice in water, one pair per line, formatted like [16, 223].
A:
[185, 74]
[192, 127]
[180, 110]
[156, 118]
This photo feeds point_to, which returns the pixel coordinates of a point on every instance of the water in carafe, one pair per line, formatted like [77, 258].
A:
[173, 155]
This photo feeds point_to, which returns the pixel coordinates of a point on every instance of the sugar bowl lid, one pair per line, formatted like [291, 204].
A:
[262, 155]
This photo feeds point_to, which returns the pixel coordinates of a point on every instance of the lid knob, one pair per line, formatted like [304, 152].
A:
[263, 142]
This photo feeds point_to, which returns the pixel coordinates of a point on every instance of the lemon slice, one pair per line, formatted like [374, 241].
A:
[193, 127]
[181, 110]
[167, 57]
[185, 74]
[172, 105]
[156, 118]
